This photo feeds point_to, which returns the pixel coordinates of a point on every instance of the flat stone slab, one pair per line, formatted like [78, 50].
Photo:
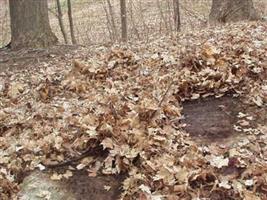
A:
[39, 186]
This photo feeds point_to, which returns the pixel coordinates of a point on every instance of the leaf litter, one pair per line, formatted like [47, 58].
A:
[127, 102]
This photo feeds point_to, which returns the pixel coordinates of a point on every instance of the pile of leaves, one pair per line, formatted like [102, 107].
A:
[126, 102]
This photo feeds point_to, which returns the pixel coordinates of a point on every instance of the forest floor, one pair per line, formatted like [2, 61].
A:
[146, 19]
[175, 118]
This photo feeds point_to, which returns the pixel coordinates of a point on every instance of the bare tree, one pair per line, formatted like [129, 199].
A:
[223, 11]
[60, 21]
[30, 24]
[169, 15]
[112, 16]
[134, 26]
[109, 26]
[123, 20]
[3, 33]
[163, 18]
[176, 15]
[73, 39]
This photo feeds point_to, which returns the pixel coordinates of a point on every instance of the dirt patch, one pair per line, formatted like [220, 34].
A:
[210, 118]
[216, 119]
[84, 187]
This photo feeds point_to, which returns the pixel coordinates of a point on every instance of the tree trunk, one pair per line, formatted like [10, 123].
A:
[60, 21]
[163, 18]
[30, 26]
[73, 39]
[123, 20]
[176, 15]
[109, 26]
[223, 11]
[111, 13]
[134, 26]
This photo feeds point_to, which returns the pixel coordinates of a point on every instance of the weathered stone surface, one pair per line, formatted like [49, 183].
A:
[39, 186]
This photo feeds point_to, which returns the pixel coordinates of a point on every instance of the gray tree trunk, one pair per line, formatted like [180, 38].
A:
[123, 20]
[30, 26]
[224, 11]
[73, 39]
[60, 21]
[176, 15]
[112, 15]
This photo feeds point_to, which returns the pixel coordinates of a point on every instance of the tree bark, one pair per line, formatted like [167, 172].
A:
[30, 26]
[224, 11]
[176, 15]
[60, 21]
[111, 13]
[123, 20]
[73, 39]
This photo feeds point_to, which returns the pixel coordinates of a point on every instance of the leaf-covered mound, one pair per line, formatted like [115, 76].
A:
[126, 103]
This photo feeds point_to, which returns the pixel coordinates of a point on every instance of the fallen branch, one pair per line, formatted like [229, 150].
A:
[89, 152]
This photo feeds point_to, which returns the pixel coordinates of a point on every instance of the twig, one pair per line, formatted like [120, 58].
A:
[162, 100]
